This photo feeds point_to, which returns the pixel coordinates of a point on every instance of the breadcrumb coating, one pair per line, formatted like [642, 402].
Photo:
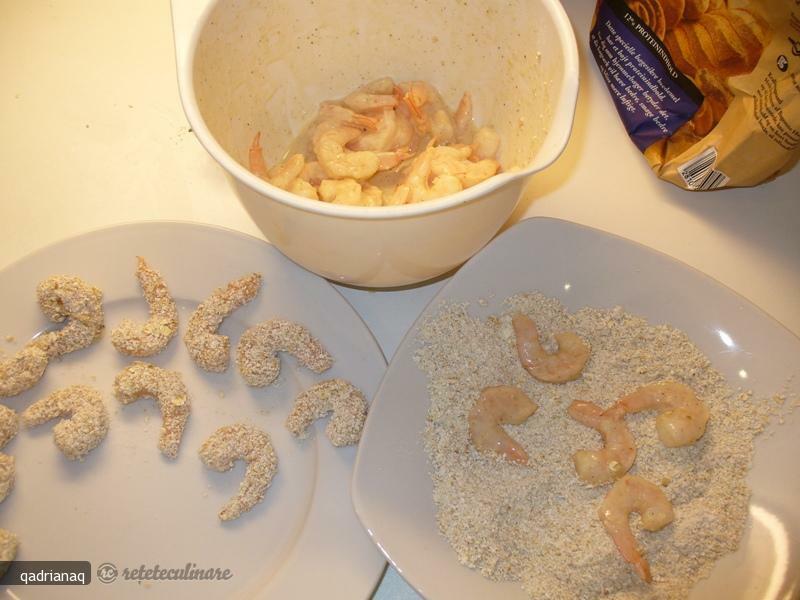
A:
[208, 349]
[8, 547]
[9, 424]
[143, 380]
[61, 298]
[256, 354]
[250, 444]
[86, 424]
[341, 397]
[8, 472]
[153, 335]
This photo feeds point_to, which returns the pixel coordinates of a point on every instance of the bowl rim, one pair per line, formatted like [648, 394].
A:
[189, 24]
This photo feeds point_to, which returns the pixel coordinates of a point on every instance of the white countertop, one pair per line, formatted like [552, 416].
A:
[93, 134]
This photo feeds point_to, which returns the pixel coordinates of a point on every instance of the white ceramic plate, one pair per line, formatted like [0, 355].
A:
[128, 505]
[392, 491]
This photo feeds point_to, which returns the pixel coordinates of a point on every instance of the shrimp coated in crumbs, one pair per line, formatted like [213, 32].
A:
[153, 335]
[8, 547]
[256, 354]
[61, 298]
[341, 397]
[143, 380]
[208, 349]
[86, 424]
[241, 442]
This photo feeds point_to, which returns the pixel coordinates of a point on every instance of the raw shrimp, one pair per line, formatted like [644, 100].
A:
[313, 173]
[143, 380]
[257, 352]
[283, 174]
[301, 187]
[60, 298]
[361, 101]
[462, 118]
[349, 191]
[383, 138]
[209, 350]
[338, 162]
[485, 144]
[682, 417]
[611, 462]
[453, 160]
[496, 406]
[154, 335]
[333, 115]
[634, 494]
[250, 444]
[564, 365]
[442, 128]
[343, 399]
[415, 97]
[86, 424]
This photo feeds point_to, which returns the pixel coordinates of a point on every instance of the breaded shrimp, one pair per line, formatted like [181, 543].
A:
[241, 442]
[496, 406]
[634, 494]
[257, 352]
[611, 462]
[143, 380]
[162, 325]
[564, 365]
[209, 350]
[341, 397]
[86, 424]
[8, 548]
[682, 417]
[8, 472]
[61, 298]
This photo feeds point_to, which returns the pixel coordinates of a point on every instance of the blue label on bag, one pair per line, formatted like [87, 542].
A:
[653, 98]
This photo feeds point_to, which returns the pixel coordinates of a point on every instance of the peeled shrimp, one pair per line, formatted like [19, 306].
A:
[343, 399]
[283, 174]
[361, 101]
[143, 380]
[349, 191]
[682, 417]
[442, 128]
[383, 138]
[61, 298]
[257, 352]
[414, 98]
[86, 424]
[564, 365]
[634, 494]
[453, 160]
[496, 406]
[241, 442]
[485, 144]
[338, 162]
[462, 118]
[208, 349]
[153, 335]
[597, 467]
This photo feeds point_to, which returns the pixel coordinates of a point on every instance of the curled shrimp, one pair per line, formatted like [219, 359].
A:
[634, 494]
[462, 118]
[442, 128]
[9, 543]
[383, 138]
[343, 399]
[208, 349]
[9, 426]
[143, 380]
[414, 98]
[349, 191]
[154, 335]
[257, 352]
[283, 174]
[362, 101]
[597, 467]
[496, 406]
[86, 425]
[61, 298]
[485, 144]
[682, 417]
[454, 161]
[339, 162]
[241, 442]
[564, 365]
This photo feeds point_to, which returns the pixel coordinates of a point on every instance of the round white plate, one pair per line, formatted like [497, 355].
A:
[128, 505]
[392, 491]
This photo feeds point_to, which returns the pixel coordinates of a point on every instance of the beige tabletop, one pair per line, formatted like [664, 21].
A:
[92, 133]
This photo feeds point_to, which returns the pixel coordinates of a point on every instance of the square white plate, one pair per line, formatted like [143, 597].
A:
[128, 505]
[392, 490]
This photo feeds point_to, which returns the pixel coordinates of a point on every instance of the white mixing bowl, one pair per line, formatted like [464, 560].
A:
[265, 65]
